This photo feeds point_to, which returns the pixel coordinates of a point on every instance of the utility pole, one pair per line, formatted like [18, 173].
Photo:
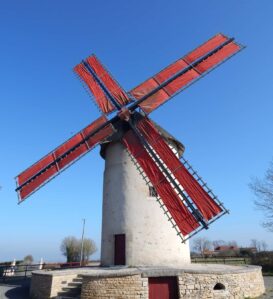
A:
[83, 226]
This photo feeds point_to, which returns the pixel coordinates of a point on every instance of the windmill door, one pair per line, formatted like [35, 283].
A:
[119, 255]
[163, 288]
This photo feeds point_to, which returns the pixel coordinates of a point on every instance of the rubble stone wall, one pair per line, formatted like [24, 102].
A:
[233, 282]
[239, 285]
[45, 286]
[190, 285]
[40, 286]
[122, 287]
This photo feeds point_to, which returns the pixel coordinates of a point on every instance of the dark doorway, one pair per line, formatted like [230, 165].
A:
[219, 286]
[163, 288]
[119, 249]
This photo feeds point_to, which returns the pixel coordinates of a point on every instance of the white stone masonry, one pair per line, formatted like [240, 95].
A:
[128, 209]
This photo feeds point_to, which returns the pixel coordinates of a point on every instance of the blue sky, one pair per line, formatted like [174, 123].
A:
[225, 120]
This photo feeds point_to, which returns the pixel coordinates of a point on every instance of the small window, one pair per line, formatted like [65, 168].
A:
[219, 286]
[152, 192]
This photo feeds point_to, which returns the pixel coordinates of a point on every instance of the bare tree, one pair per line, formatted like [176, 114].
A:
[71, 248]
[201, 245]
[256, 244]
[264, 246]
[89, 247]
[232, 243]
[259, 245]
[217, 243]
[28, 259]
[263, 189]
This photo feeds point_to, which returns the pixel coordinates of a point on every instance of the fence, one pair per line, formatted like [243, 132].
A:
[24, 271]
[222, 260]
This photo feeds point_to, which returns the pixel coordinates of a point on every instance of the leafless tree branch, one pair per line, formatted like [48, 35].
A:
[263, 190]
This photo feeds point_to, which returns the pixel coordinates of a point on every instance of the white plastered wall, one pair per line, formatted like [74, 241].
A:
[127, 209]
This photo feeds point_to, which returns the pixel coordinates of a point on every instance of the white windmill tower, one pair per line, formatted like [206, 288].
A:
[135, 230]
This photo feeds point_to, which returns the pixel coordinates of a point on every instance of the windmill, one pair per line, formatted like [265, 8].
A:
[186, 200]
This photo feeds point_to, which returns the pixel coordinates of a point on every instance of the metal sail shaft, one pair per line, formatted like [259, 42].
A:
[105, 90]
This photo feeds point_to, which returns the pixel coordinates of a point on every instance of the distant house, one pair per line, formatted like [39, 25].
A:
[226, 251]
[208, 253]
[225, 248]
[248, 250]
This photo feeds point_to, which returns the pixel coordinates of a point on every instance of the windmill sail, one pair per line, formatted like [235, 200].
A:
[177, 76]
[63, 156]
[184, 220]
[190, 207]
[208, 207]
[104, 105]
[184, 198]
[118, 94]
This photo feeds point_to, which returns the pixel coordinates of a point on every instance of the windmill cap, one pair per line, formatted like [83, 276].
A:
[180, 148]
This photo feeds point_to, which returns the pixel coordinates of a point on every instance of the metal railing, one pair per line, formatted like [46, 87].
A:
[23, 271]
[17, 271]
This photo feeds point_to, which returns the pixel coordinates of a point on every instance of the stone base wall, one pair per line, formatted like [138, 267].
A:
[190, 285]
[241, 285]
[45, 286]
[196, 282]
[40, 286]
[125, 287]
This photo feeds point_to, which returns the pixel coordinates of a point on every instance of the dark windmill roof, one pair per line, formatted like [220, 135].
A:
[166, 135]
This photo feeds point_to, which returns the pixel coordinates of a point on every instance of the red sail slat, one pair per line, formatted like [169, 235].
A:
[63, 156]
[206, 205]
[113, 87]
[153, 101]
[165, 93]
[179, 212]
[205, 48]
[102, 101]
[217, 57]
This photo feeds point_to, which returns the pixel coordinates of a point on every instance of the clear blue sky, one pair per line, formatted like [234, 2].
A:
[225, 120]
